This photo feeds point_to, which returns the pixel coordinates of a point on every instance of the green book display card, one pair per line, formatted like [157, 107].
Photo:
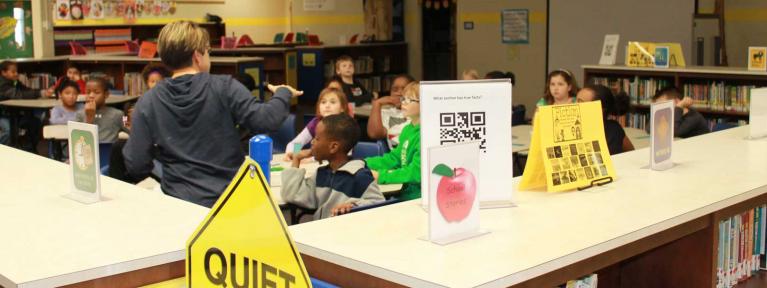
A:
[84, 162]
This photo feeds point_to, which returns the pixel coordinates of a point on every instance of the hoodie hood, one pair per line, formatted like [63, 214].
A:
[183, 97]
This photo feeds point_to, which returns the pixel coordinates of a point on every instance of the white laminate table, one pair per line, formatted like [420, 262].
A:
[48, 240]
[547, 231]
[520, 138]
[48, 103]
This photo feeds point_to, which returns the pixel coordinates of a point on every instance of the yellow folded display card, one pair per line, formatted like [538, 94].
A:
[568, 149]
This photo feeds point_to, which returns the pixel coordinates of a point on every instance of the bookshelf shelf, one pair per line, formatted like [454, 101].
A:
[720, 93]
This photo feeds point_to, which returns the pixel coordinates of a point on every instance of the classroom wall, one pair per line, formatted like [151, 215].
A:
[483, 50]
[745, 25]
[42, 33]
[414, 38]
[345, 20]
[578, 28]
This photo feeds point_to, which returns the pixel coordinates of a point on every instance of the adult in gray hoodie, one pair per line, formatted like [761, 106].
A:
[188, 122]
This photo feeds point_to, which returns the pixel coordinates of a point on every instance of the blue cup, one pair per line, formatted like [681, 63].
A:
[261, 151]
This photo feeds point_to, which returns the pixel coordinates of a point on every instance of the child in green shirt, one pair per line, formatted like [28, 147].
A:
[403, 164]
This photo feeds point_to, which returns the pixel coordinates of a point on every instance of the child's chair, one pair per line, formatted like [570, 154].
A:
[301, 38]
[366, 149]
[77, 48]
[132, 46]
[104, 150]
[56, 135]
[278, 37]
[353, 40]
[244, 40]
[288, 38]
[314, 40]
[228, 42]
[284, 134]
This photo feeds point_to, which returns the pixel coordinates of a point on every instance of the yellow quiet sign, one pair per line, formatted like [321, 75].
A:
[244, 242]
[568, 149]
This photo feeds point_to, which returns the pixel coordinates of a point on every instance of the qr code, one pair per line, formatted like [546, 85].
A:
[463, 127]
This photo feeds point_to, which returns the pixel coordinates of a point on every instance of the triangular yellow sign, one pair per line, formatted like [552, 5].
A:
[244, 241]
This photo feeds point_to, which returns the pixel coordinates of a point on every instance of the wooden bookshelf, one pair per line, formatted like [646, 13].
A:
[141, 32]
[681, 76]
[279, 62]
[117, 65]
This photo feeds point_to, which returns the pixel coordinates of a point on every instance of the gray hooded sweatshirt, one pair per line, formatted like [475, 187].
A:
[189, 123]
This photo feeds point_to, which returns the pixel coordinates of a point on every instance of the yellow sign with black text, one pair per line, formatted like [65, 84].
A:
[244, 241]
[568, 149]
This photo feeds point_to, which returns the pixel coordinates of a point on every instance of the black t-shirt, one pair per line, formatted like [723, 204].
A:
[614, 134]
[356, 94]
[690, 124]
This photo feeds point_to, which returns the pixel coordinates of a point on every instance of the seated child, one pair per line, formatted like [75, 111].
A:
[331, 102]
[687, 121]
[153, 73]
[403, 163]
[340, 184]
[470, 74]
[386, 119]
[11, 88]
[352, 88]
[108, 119]
[617, 141]
[74, 75]
[67, 110]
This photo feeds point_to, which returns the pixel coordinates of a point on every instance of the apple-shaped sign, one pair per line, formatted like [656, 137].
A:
[455, 193]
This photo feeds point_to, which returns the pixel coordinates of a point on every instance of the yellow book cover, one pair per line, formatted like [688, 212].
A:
[568, 149]
[640, 54]
[756, 58]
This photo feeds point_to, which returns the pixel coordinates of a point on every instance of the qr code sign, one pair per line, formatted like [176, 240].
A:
[463, 127]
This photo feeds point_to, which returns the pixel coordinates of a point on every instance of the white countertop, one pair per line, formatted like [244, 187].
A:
[547, 231]
[49, 240]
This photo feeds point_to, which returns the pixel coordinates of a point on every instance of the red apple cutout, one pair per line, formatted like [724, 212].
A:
[455, 193]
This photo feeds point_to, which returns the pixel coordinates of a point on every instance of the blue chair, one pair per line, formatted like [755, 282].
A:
[384, 145]
[723, 126]
[284, 134]
[366, 149]
[317, 283]
[104, 151]
[371, 206]
[278, 37]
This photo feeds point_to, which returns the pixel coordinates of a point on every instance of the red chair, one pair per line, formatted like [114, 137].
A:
[314, 40]
[288, 38]
[354, 39]
[228, 42]
[77, 48]
[244, 41]
[132, 46]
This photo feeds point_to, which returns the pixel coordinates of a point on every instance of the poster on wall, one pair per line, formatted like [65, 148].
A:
[319, 5]
[97, 9]
[61, 10]
[515, 26]
[76, 9]
[16, 29]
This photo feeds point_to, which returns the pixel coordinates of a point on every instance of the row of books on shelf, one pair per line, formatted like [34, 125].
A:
[716, 96]
[741, 247]
[642, 121]
[719, 97]
[377, 83]
[133, 84]
[362, 65]
[585, 282]
[38, 80]
[639, 89]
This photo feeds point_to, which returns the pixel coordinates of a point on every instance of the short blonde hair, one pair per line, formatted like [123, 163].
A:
[470, 74]
[412, 89]
[179, 40]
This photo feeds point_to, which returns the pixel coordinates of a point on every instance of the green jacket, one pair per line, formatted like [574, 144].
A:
[403, 164]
